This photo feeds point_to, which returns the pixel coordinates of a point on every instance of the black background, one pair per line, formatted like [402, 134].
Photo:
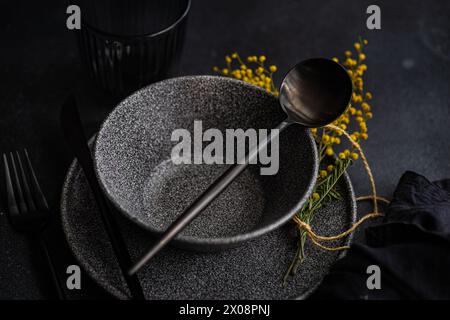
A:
[408, 73]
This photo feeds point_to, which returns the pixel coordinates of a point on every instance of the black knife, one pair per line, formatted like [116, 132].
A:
[76, 139]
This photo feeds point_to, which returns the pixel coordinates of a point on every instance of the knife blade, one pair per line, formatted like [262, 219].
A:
[74, 135]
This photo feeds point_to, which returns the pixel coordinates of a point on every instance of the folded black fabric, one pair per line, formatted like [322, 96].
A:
[411, 247]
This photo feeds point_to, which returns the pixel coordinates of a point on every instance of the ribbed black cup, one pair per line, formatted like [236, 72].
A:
[127, 44]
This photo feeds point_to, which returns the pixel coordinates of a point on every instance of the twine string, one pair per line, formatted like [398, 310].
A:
[380, 199]
[364, 159]
[315, 238]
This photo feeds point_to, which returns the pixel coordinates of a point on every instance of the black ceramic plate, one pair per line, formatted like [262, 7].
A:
[253, 271]
[134, 165]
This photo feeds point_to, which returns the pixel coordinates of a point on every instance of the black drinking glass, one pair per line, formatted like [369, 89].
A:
[127, 44]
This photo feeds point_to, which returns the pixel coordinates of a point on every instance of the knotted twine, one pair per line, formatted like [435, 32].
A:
[315, 238]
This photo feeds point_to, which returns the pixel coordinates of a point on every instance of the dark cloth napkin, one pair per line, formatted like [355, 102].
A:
[411, 247]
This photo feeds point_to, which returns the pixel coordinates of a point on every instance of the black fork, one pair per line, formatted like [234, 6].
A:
[27, 207]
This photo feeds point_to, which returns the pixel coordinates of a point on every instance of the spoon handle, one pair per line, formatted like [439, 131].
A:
[202, 202]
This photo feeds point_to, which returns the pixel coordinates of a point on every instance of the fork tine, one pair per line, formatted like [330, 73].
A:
[25, 185]
[16, 183]
[12, 204]
[41, 202]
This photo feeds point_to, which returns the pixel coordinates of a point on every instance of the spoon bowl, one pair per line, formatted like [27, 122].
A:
[315, 92]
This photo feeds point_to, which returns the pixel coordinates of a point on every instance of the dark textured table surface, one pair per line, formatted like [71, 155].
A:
[408, 72]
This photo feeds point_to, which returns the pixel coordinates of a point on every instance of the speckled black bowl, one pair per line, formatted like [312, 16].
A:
[133, 161]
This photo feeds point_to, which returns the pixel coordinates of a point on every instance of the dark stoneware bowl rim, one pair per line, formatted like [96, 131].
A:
[218, 242]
